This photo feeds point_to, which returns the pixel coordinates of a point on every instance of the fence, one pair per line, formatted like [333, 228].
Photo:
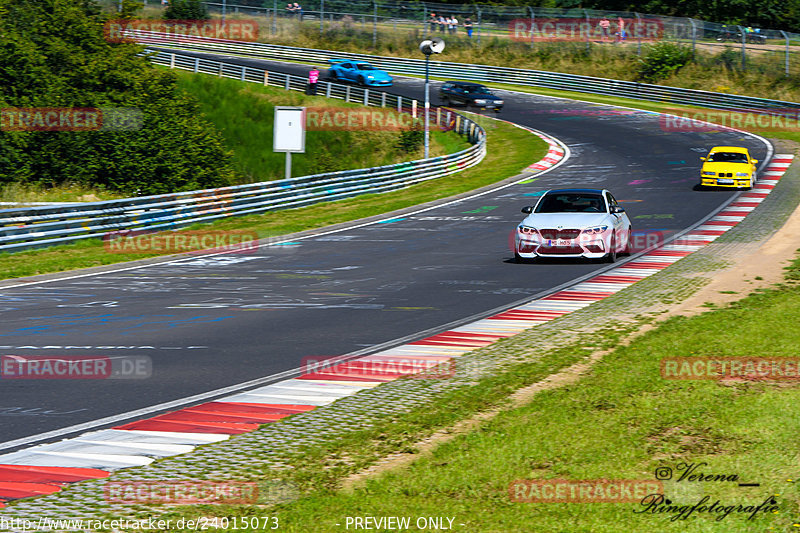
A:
[36, 227]
[481, 73]
[524, 24]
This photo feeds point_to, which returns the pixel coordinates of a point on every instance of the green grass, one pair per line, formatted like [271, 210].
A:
[244, 113]
[622, 421]
[510, 150]
[23, 193]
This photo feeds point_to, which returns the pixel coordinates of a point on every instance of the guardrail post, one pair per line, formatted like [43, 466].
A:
[588, 32]
[786, 60]
[479, 25]
[347, 94]
[266, 77]
[286, 85]
[219, 70]
[197, 64]
[533, 23]
[413, 109]
[399, 104]
[638, 34]
[744, 47]
[328, 90]
[244, 73]
[366, 96]
[383, 99]
[172, 61]
[438, 116]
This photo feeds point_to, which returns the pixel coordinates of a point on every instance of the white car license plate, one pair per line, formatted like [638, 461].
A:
[725, 182]
[561, 242]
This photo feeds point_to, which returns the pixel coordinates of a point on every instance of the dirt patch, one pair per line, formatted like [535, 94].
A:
[426, 446]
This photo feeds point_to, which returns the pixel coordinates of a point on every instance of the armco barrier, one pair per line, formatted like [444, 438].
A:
[36, 227]
[482, 73]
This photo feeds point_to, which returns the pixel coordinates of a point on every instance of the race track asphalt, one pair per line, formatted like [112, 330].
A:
[212, 322]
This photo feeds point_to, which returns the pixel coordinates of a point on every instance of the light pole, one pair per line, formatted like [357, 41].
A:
[428, 47]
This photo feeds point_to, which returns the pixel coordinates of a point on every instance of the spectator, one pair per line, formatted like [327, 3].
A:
[453, 24]
[299, 10]
[604, 25]
[621, 35]
[289, 9]
[442, 23]
[468, 27]
[313, 78]
[434, 22]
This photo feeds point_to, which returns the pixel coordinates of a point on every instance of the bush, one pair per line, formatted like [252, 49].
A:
[662, 60]
[186, 10]
[729, 58]
[409, 141]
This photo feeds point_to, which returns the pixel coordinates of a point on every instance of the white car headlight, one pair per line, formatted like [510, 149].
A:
[498, 102]
[525, 230]
[742, 174]
[708, 173]
[595, 230]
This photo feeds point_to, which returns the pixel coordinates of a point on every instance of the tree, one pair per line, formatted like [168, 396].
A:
[54, 55]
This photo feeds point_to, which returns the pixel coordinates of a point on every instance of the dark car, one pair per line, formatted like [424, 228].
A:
[469, 94]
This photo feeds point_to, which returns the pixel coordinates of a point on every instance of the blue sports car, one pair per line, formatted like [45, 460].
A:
[360, 72]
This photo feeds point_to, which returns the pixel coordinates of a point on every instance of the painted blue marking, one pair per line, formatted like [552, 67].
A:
[391, 220]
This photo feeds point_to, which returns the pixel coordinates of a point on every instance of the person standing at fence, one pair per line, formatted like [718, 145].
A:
[621, 35]
[442, 23]
[468, 27]
[299, 10]
[289, 9]
[313, 78]
[453, 24]
[604, 25]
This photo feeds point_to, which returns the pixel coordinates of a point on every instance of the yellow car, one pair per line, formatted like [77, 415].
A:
[728, 166]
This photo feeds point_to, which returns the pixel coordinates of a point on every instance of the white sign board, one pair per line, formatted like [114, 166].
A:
[290, 129]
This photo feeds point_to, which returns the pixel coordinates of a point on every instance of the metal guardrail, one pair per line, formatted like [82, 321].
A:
[37, 227]
[476, 72]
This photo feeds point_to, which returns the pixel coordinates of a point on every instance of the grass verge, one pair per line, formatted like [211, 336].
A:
[244, 113]
[510, 149]
[623, 421]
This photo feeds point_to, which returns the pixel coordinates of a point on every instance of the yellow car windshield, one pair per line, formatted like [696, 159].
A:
[727, 157]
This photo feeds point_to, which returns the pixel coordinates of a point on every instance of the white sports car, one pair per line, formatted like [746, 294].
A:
[573, 223]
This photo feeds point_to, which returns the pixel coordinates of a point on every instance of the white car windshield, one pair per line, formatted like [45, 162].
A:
[571, 203]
